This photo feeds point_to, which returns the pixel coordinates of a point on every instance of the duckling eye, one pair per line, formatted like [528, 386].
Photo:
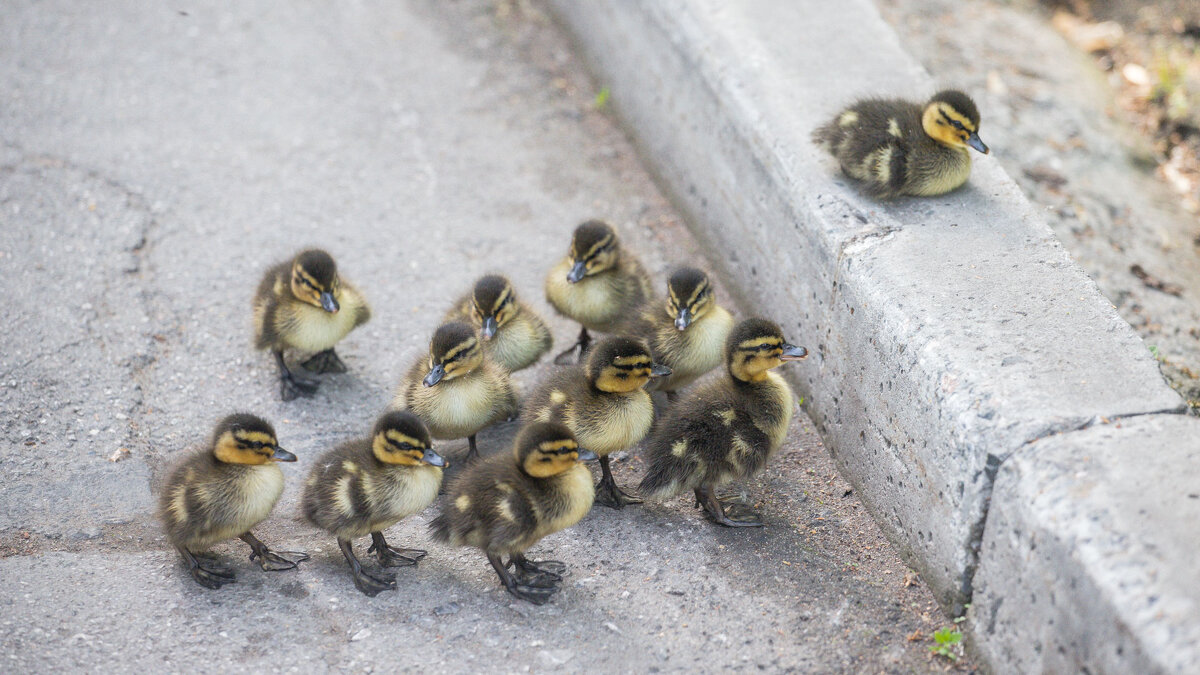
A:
[957, 125]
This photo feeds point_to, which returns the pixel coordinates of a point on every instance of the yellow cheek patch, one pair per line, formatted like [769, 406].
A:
[755, 343]
[555, 446]
[255, 437]
[400, 438]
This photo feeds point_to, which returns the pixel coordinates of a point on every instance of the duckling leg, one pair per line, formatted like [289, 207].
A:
[369, 584]
[582, 342]
[473, 449]
[740, 517]
[272, 561]
[291, 386]
[212, 577]
[537, 589]
[393, 557]
[607, 492]
[325, 362]
[526, 567]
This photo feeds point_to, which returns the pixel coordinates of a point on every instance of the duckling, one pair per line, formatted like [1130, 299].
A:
[304, 304]
[222, 492]
[727, 429]
[603, 403]
[514, 336]
[898, 147]
[689, 338]
[457, 391]
[365, 486]
[598, 284]
[508, 502]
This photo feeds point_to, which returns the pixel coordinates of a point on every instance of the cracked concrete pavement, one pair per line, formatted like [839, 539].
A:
[154, 159]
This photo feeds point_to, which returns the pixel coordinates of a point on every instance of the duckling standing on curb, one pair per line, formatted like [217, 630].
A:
[597, 284]
[303, 304]
[456, 390]
[222, 492]
[898, 147]
[507, 503]
[514, 336]
[727, 429]
[689, 338]
[603, 403]
[365, 486]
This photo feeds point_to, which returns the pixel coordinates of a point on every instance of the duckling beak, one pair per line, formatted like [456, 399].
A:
[328, 303]
[578, 271]
[684, 319]
[489, 328]
[587, 455]
[659, 370]
[432, 458]
[974, 142]
[281, 455]
[792, 353]
[435, 375]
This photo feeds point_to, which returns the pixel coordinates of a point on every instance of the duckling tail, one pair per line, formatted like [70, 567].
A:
[439, 528]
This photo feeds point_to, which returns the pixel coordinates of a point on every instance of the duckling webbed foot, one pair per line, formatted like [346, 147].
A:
[210, 575]
[369, 583]
[291, 385]
[393, 557]
[325, 362]
[525, 567]
[729, 514]
[535, 588]
[582, 343]
[272, 561]
[607, 492]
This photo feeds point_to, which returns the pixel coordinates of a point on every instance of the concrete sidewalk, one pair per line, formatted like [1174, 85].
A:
[964, 364]
[156, 158]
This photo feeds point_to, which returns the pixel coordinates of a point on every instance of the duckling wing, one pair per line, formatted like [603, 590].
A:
[271, 292]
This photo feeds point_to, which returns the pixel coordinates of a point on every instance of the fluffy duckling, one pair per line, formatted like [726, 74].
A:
[604, 403]
[597, 284]
[727, 429]
[222, 492]
[506, 503]
[898, 147]
[456, 390]
[366, 486]
[303, 304]
[514, 336]
[689, 337]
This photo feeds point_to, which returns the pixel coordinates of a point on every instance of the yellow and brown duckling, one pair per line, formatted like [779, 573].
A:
[897, 147]
[508, 502]
[222, 492]
[456, 390]
[689, 337]
[598, 284]
[513, 335]
[365, 486]
[604, 403]
[304, 304]
[727, 429]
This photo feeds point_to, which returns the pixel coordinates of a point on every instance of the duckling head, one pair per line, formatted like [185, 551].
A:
[950, 117]
[401, 438]
[495, 304]
[593, 250]
[315, 279]
[454, 351]
[756, 346]
[621, 365]
[689, 296]
[247, 439]
[545, 449]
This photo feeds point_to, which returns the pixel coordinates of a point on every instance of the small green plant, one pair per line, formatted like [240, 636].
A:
[1154, 353]
[601, 99]
[946, 642]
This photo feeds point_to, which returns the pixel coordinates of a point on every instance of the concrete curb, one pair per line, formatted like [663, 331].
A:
[948, 334]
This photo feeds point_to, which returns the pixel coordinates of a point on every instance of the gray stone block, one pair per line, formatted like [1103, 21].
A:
[1089, 555]
[946, 333]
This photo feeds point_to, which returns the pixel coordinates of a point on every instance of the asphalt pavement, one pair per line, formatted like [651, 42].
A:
[156, 158]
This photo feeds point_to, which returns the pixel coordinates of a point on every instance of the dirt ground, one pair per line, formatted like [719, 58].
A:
[1111, 160]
